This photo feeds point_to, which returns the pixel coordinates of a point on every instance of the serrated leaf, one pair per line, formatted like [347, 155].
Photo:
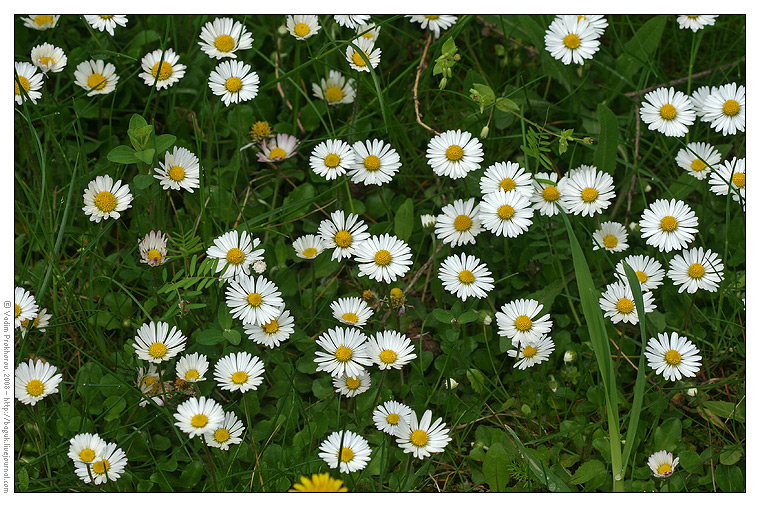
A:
[123, 155]
[588, 471]
[477, 380]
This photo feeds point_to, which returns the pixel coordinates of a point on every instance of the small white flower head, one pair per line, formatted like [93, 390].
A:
[375, 162]
[24, 306]
[546, 196]
[611, 236]
[223, 36]
[179, 170]
[433, 22]
[388, 416]
[454, 154]
[40, 322]
[692, 392]
[309, 246]
[517, 321]
[465, 276]
[227, 434]
[351, 311]
[597, 21]
[302, 26]
[673, 356]
[153, 248]
[586, 191]
[104, 199]
[277, 149]
[724, 108]
[271, 333]
[254, 300]
[572, 39]
[698, 159]
[352, 386]
[106, 468]
[366, 49]
[348, 449]
[570, 356]
[648, 271]
[156, 343]
[336, 89]
[149, 384]
[383, 258]
[106, 22]
[451, 384]
[199, 416]
[192, 368]
[422, 438]
[239, 372]
[390, 349]
[507, 214]
[41, 21]
[668, 111]
[662, 463]
[696, 269]
[259, 267]
[344, 352]
[48, 58]
[343, 233]
[428, 222]
[695, 22]
[458, 223]
[617, 303]
[331, 158]
[96, 76]
[532, 353]
[35, 380]
[509, 177]
[234, 81]
[164, 70]
[351, 21]
[86, 447]
[699, 96]
[368, 31]
[734, 172]
[668, 225]
[235, 252]
[31, 83]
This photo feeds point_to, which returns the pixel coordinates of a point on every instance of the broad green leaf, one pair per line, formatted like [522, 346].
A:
[142, 181]
[731, 457]
[667, 435]
[729, 479]
[606, 150]
[477, 380]
[638, 50]
[727, 409]
[223, 316]
[164, 142]
[146, 155]
[404, 220]
[496, 468]
[192, 473]
[136, 121]
[123, 155]
[506, 105]
[443, 316]
[232, 336]
[23, 479]
[588, 471]
[210, 337]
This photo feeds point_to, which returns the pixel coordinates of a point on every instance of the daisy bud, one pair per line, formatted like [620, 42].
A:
[691, 392]
[633, 226]
[452, 384]
[485, 318]
[428, 222]
[282, 30]
[259, 267]
[484, 132]
[570, 356]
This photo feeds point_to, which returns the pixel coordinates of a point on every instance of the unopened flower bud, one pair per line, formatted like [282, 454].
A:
[428, 222]
[259, 267]
[484, 132]
[570, 356]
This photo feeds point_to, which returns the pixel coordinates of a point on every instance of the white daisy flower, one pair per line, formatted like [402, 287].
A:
[153, 248]
[662, 463]
[423, 438]
[428, 222]
[302, 26]
[48, 58]
[106, 468]
[724, 108]
[348, 449]
[672, 356]
[617, 303]
[507, 214]
[433, 22]
[668, 225]
[223, 36]
[351, 21]
[464, 276]
[344, 234]
[104, 199]
[698, 159]
[352, 386]
[39, 322]
[199, 416]
[368, 31]
[24, 306]
[192, 368]
[239, 372]
[331, 158]
[277, 149]
[545, 196]
[345, 352]
[695, 22]
[611, 236]
[253, 300]
[235, 252]
[41, 21]
[533, 352]
[459, 222]
[309, 246]
[31, 82]
[96, 76]
[571, 39]
[517, 320]
[227, 434]
[179, 170]
[366, 49]
[696, 269]
[383, 258]
[586, 191]
[648, 270]
[156, 343]
[375, 162]
[271, 333]
[388, 416]
[668, 111]
[507, 176]
[454, 154]
[86, 447]
[106, 22]
[597, 21]
[732, 171]
[163, 71]
[351, 311]
[150, 386]
[699, 96]
[234, 82]
[390, 349]
[35, 380]
[336, 89]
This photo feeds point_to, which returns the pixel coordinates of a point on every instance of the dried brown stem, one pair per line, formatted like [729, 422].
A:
[420, 68]
[684, 79]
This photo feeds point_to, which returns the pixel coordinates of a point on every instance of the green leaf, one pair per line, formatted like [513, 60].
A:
[123, 155]
[588, 471]
[210, 337]
[506, 105]
[668, 434]
[443, 316]
[404, 220]
[477, 380]
[136, 122]
[729, 478]
[23, 479]
[638, 50]
[732, 456]
[232, 336]
[727, 409]
[114, 405]
[223, 316]
[192, 473]
[468, 316]
[164, 142]
[496, 468]
[142, 181]
[483, 94]
[140, 137]
[146, 155]
[606, 150]
[541, 471]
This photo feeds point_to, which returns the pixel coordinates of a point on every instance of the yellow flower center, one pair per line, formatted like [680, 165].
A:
[271, 327]
[301, 29]
[610, 241]
[239, 377]
[46, 60]
[625, 305]
[199, 420]
[419, 438]
[739, 179]
[692, 16]
[589, 194]
[350, 317]
[572, 41]
[254, 299]
[641, 276]
[343, 239]
[177, 173]
[697, 165]
[221, 435]
[668, 223]
[672, 357]
[462, 223]
[277, 153]
[668, 112]
[44, 19]
[101, 466]
[353, 383]
[158, 350]
[454, 153]
[383, 258]
[166, 70]
[665, 469]
[105, 201]
[505, 211]
[388, 356]
[696, 271]
[17, 311]
[106, 16]
[309, 252]
[507, 184]
[393, 419]
[154, 255]
[24, 83]
[150, 385]
[334, 94]
[35, 387]
[550, 194]
[432, 16]
[235, 256]
[523, 323]
[87, 455]
[529, 351]
[396, 293]
[346, 455]
[233, 84]
[466, 277]
[224, 43]
[192, 374]
[343, 354]
[372, 163]
[96, 81]
[357, 58]
[332, 160]
[260, 130]
[731, 107]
